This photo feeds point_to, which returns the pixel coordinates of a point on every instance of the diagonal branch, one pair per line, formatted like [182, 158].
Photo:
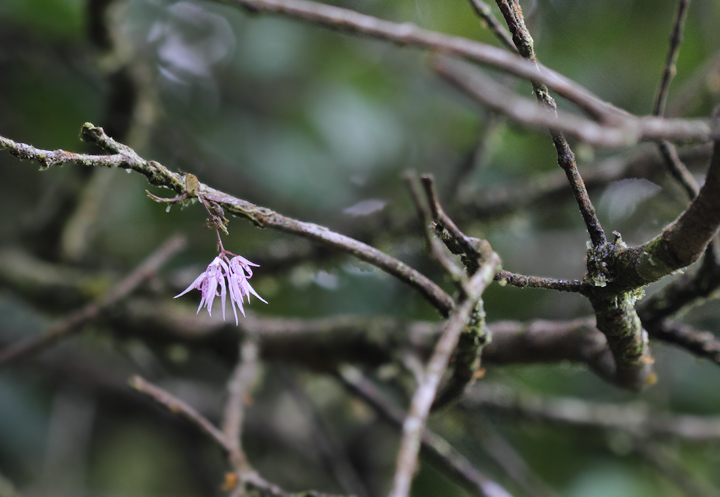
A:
[177, 406]
[484, 12]
[239, 388]
[425, 393]
[670, 69]
[433, 446]
[74, 322]
[566, 158]
[352, 22]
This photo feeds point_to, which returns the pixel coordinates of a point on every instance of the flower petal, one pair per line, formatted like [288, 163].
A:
[193, 286]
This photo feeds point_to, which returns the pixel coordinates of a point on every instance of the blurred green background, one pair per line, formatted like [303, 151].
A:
[319, 126]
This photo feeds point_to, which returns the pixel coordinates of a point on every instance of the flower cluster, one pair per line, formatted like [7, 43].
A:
[236, 271]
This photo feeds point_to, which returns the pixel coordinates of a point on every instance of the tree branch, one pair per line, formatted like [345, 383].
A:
[434, 447]
[158, 175]
[74, 322]
[352, 22]
[682, 242]
[425, 393]
[239, 388]
[670, 69]
[177, 406]
[484, 12]
[566, 158]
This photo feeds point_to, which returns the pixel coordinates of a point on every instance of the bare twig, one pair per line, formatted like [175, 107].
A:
[678, 169]
[75, 321]
[158, 175]
[248, 478]
[434, 447]
[352, 22]
[521, 281]
[622, 133]
[426, 218]
[239, 388]
[699, 343]
[424, 395]
[484, 12]
[566, 158]
[177, 406]
[671, 59]
[672, 160]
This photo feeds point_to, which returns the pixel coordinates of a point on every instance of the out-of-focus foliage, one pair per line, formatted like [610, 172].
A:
[312, 123]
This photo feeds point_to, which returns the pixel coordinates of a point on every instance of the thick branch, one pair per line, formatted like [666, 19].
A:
[682, 242]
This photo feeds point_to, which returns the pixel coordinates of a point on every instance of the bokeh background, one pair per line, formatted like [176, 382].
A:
[319, 126]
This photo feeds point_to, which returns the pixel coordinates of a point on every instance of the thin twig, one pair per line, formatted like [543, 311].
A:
[239, 388]
[74, 322]
[484, 12]
[670, 68]
[177, 406]
[426, 218]
[433, 446]
[523, 110]
[702, 344]
[248, 478]
[672, 160]
[566, 158]
[472, 251]
[678, 169]
[522, 281]
[425, 393]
